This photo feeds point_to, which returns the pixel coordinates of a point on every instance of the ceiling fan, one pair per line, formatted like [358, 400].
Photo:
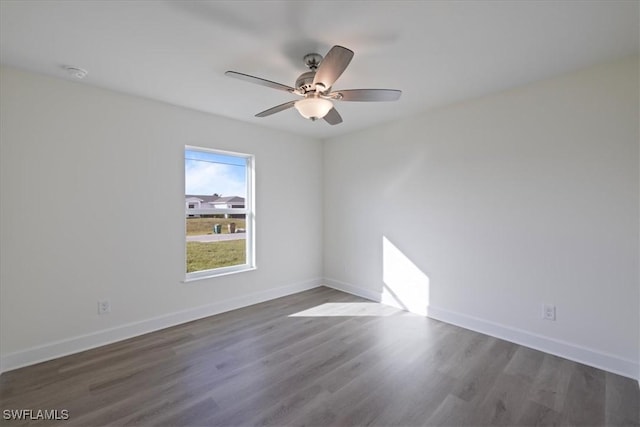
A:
[315, 87]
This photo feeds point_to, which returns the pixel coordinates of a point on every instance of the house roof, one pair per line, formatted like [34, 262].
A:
[228, 199]
[203, 198]
[215, 199]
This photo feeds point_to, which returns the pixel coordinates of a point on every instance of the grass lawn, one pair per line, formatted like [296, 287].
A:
[200, 226]
[205, 256]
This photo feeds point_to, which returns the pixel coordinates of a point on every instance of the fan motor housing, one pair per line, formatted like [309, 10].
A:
[305, 81]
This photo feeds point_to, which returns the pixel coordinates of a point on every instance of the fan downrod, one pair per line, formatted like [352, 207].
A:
[304, 83]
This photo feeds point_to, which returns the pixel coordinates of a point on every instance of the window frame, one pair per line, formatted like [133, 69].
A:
[248, 211]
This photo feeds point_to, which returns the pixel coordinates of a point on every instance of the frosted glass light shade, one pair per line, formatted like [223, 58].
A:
[313, 108]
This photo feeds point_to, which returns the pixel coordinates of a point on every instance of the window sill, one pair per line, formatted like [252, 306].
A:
[213, 274]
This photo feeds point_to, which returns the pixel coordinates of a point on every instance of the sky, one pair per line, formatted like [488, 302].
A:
[207, 173]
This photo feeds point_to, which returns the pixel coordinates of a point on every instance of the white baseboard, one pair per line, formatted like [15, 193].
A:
[53, 350]
[56, 349]
[353, 290]
[577, 353]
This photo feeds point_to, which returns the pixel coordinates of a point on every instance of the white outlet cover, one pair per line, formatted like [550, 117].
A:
[104, 307]
[548, 311]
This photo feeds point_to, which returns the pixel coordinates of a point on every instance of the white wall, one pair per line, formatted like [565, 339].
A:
[75, 163]
[491, 207]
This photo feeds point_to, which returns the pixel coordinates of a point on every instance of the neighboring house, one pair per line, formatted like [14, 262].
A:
[228, 202]
[194, 201]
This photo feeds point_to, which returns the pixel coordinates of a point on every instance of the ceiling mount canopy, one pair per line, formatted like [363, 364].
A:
[315, 87]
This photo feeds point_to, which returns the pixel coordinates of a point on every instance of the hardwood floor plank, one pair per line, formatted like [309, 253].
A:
[394, 382]
[302, 372]
[286, 410]
[585, 400]
[525, 363]
[453, 411]
[457, 358]
[535, 414]
[411, 403]
[505, 402]
[622, 401]
[487, 367]
[552, 382]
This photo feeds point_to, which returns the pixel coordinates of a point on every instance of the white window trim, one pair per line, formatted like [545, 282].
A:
[248, 211]
[217, 272]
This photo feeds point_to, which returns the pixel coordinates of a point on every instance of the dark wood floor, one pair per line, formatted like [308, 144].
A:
[320, 357]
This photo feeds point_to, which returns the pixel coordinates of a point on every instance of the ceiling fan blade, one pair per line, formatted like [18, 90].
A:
[332, 66]
[366, 95]
[276, 109]
[259, 81]
[333, 117]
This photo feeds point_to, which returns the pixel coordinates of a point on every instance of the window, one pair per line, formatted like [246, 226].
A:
[219, 212]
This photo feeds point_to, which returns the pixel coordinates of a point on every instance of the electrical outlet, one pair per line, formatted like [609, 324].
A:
[549, 312]
[104, 306]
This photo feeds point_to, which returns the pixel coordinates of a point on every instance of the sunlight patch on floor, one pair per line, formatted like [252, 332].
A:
[336, 309]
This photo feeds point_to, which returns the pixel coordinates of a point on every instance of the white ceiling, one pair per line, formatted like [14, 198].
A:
[436, 52]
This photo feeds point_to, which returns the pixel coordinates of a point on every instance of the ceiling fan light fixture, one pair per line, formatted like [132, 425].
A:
[313, 107]
[315, 87]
